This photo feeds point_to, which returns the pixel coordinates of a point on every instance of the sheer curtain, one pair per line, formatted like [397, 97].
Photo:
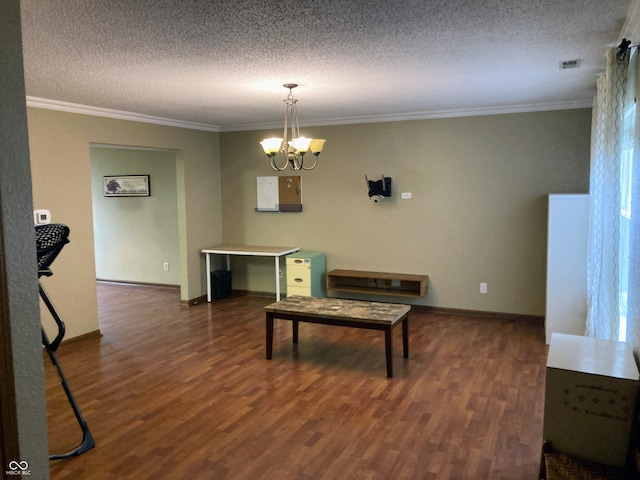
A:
[604, 262]
[633, 301]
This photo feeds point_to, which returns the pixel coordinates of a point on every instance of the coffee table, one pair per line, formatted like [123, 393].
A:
[344, 313]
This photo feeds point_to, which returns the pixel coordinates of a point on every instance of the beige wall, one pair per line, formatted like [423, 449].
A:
[135, 236]
[478, 210]
[59, 147]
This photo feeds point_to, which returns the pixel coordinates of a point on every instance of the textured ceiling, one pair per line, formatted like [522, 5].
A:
[222, 63]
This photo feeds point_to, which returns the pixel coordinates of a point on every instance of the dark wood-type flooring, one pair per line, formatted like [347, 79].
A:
[186, 393]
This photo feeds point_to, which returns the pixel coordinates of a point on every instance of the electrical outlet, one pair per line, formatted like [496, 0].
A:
[166, 266]
[406, 195]
[280, 271]
[483, 288]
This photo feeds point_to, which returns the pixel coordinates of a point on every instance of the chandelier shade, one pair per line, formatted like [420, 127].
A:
[272, 145]
[292, 145]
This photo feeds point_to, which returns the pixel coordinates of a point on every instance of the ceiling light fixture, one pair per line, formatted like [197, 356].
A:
[294, 146]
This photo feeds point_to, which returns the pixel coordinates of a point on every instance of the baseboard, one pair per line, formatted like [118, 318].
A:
[256, 294]
[441, 310]
[420, 308]
[137, 284]
[234, 293]
[479, 313]
[84, 336]
[194, 301]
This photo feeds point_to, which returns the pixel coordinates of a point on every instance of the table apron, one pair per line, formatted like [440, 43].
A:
[345, 322]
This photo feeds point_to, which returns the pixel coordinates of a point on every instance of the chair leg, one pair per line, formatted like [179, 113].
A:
[87, 442]
[56, 316]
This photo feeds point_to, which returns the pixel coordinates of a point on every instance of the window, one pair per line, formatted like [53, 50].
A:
[626, 167]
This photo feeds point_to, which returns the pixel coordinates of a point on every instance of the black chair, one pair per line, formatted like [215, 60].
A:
[49, 242]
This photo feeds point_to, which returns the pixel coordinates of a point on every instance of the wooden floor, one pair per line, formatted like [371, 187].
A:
[186, 393]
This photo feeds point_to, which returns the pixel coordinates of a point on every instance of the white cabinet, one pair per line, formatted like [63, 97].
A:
[566, 308]
[590, 395]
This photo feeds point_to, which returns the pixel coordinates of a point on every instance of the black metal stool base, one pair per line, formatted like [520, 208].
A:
[50, 239]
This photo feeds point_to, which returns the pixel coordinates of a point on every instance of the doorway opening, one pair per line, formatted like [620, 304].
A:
[136, 238]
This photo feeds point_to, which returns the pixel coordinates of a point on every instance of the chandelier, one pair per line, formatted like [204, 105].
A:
[293, 146]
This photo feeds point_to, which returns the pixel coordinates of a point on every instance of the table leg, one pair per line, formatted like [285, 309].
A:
[277, 279]
[388, 348]
[295, 331]
[269, 329]
[405, 336]
[208, 270]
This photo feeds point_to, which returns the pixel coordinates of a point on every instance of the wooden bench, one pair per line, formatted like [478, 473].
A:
[345, 313]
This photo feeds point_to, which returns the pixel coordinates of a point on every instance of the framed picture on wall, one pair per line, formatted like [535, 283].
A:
[127, 186]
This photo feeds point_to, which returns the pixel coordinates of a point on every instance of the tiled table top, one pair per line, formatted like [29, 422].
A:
[371, 312]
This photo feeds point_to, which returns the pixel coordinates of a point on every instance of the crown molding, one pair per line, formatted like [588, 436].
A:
[44, 103]
[424, 115]
[47, 104]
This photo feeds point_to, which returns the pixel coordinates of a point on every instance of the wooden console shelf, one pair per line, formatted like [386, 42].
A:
[378, 283]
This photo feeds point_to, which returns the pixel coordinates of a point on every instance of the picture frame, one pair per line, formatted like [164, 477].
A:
[127, 186]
